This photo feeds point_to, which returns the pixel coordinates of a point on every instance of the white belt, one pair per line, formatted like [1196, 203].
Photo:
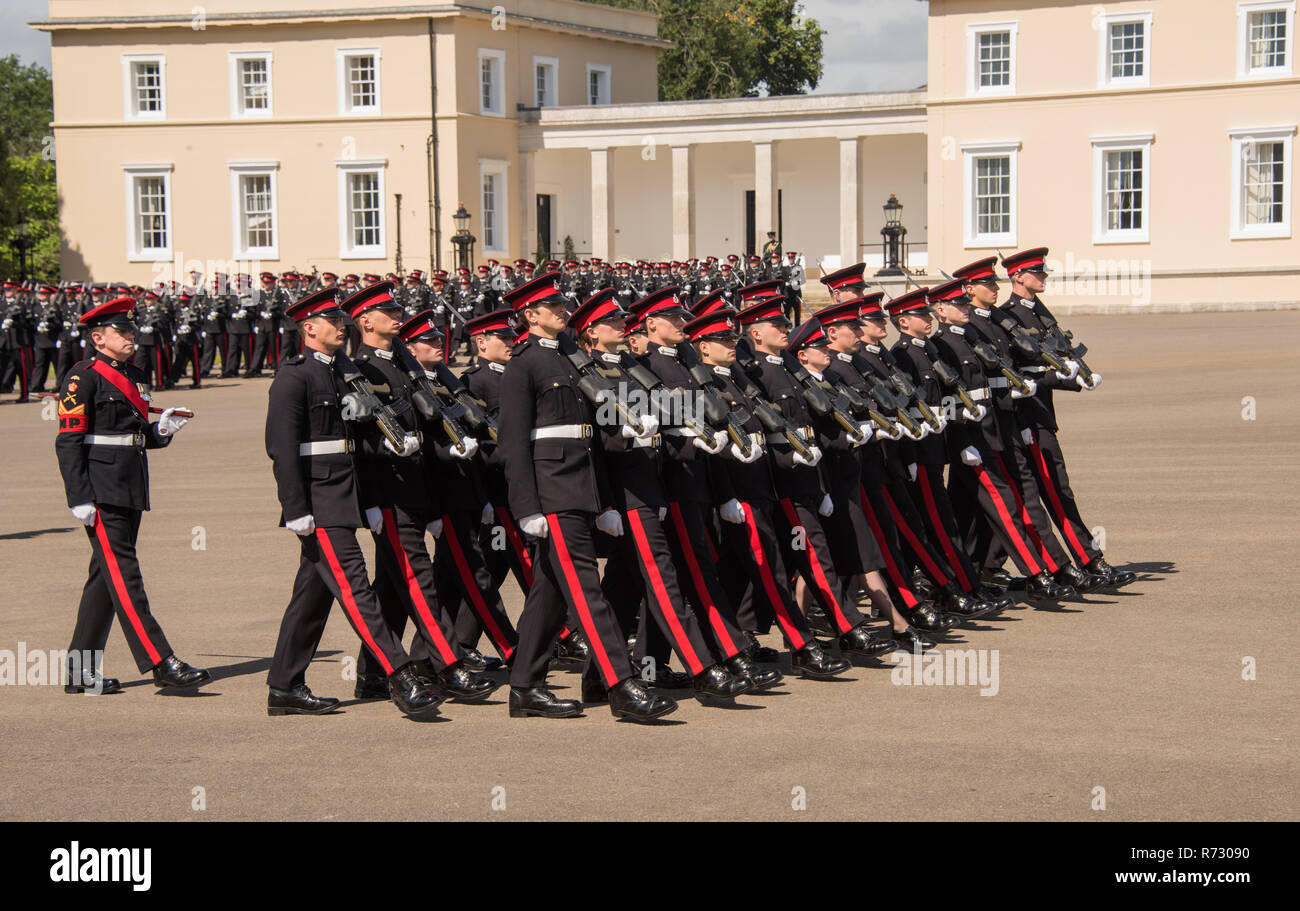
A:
[115, 439]
[640, 443]
[326, 447]
[997, 382]
[561, 432]
[978, 395]
[1033, 369]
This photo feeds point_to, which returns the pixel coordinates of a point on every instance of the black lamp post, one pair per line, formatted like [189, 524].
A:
[462, 240]
[893, 233]
[22, 242]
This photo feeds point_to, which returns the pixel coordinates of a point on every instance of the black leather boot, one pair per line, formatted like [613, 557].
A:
[1115, 578]
[1042, 588]
[174, 673]
[573, 649]
[298, 701]
[764, 677]
[541, 702]
[371, 686]
[411, 694]
[457, 682]
[760, 653]
[631, 700]
[1080, 581]
[475, 660]
[925, 617]
[910, 639]
[80, 679]
[860, 641]
[716, 683]
[810, 661]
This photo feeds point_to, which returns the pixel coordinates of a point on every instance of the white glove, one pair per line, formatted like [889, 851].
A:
[712, 447]
[303, 525]
[1017, 394]
[610, 522]
[731, 511]
[410, 446]
[146, 330]
[755, 453]
[974, 416]
[169, 422]
[471, 447]
[649, 426]
[375, 519]
[816, 456]
[663, 513]
[85, 514]
[971, 456]
[919, 434]
[435, 527]
[1096, 381]
[1028, 436]
[827, 507]
[911, 471]
[489, 514]
[1072, 368]
[864, 435]
[354, 410]
[534, 526]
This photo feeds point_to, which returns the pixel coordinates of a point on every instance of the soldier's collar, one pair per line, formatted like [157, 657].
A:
[918, 342]
[847, 358]
[499, 368]
[959, 330]
[773, 359]
[323, 357]
[1025, 301]
[386, 355]
[816, 375]
[610, 358]
[721, 371]
[546, 342]
[981, 312]
[668, 350]
[430, 374]
[874, 349]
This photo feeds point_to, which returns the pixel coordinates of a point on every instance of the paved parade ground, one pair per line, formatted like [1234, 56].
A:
[1140, 693]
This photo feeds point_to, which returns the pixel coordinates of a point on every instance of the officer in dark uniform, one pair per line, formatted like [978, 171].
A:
[311, 448]
[188, 339]
[15, 353]
[290, 342]
[213, 326]
[70, 335]
[45, 334]
[104, 430]
[265, 304]
[239, 328]
[148, 335]
[559, 490]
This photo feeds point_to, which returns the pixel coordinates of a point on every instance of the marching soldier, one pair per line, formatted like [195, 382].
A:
[213, 327]
[265, 304]
[70, 337]
[239, 328]
[104, 430]
[187, 340]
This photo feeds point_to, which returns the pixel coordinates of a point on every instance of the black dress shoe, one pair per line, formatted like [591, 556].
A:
[964, 607]
[911, 639]
[811, 661]
[1042, 588]
[760, 653]
[460, 683]
[631, 700]
[371, 686]
[475, 660]
[1077, 579]
[175, 673]
[994, 596]
[84, 680]
[859, 641]
[669, 679]
[764, 678]
[922, 586]
[818, 622]
[716, 683]
[411, 693]
[541, 702]
[298, 701]
[996, 577]
[1115, 578]
[925, 617]
[572, 649]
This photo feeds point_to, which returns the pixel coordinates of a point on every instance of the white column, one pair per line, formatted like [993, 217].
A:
[602, 204]
[850, 200]
[764, 192]
[528, 200]
[683, 202]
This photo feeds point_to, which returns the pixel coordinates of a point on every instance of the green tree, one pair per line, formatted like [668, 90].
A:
[27, 185]
[734, 48]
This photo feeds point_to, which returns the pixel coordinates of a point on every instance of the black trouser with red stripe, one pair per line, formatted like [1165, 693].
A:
[507, 550]
[644, 549]
[566, 576]
[332, 567]
[212, 343]
[187, 352]
[262, 340]
[758, 564]
[405, 588]
[985, 504]
[467, 588]
[931, 498]
[875, 507]
[809, 553]
[912, 528]
[691, 543]
[44, 358]
[239, 350]
[1014, 466]
[17, 368]
[114, 586]
[1048, 465]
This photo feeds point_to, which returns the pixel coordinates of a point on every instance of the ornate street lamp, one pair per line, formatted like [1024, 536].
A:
[462, 240]
[893, 233]
[22, 242]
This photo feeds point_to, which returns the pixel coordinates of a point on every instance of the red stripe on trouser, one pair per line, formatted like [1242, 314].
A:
[115, 573]
[23, 370]
[580, 600]
[769, 584]
[350, 602]
[819, 574]
[521, 552]
[666, 606]
[1005, 518]
[697, 579]
[413, 587]
[922, 552]
[891, 568]
[940, 531]
[472, 589]
[1054, 499]
[1024, 517]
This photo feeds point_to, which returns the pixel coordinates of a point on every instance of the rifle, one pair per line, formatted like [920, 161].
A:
[906, 388]
[593, 384]
[452, 407]
[825, 399]
[367, 393]
[994, 361]
[716, 410]
[772, 419]
[950, 378]
[1033, 348]
[1062, 343]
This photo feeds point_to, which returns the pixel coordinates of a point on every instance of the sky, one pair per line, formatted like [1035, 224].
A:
[869, 46]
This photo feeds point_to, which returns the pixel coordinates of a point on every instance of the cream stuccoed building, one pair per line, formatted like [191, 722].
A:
[269, 136]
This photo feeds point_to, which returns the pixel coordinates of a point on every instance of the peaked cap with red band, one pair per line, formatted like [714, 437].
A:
[116, 313]
[714, 300]
[808, 335]
[846, 312]
[420, 327]
[664, 302]
[324, 302]
[760, 291]
[953, 291]
[768, 310]
[978, 271]
[913, 302]
[601, 305]
[869, 306]
[719, 323]
[845, 278]
[498, 322]
[542, 289]
[1033, 260]
[372, 297]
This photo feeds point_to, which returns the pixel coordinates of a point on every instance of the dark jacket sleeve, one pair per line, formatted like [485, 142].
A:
[518, 417]
[286, 420]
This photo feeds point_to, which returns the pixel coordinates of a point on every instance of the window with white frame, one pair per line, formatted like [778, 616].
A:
[991, 58]
[597, 84]
[254, 212]
[990, 193]
[1125, 50]
[1122, 189]
[148, 208]
[144, 86]
[361, 209]
[492, 202]
[1261, 182]
[250, 84]
[358, 78]
[544, 81]
[1265, 39]
[491, 82]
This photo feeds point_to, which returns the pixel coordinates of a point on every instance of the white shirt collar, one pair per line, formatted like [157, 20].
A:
[874, 349]
[815, 374]
[323, 357]
[431, 374]
[981, 311]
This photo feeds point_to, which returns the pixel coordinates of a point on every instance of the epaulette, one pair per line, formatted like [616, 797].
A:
[360, 358]
[471, 368]
[295, 359]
